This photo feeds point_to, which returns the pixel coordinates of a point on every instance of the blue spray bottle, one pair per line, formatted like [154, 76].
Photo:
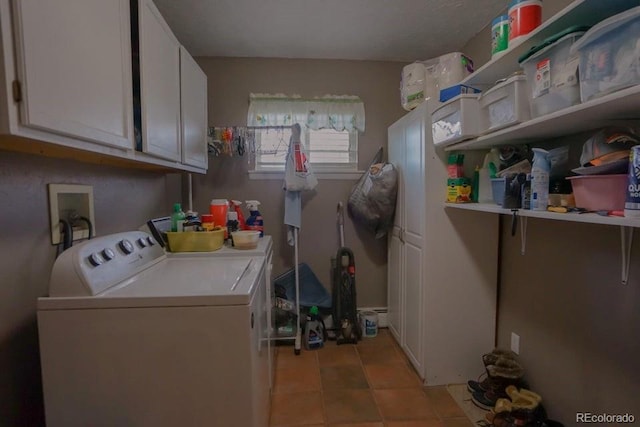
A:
[254, 222]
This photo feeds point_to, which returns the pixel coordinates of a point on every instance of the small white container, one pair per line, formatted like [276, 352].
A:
[505, 104]
[610, 55]
[245, 239]
[553, 75]
[456, 120]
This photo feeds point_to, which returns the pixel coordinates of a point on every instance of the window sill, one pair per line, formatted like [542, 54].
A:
[279, 175]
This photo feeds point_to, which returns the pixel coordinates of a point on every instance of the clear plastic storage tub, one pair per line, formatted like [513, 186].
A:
[505, 104]
[456, 120]
[553, 73]
[610, 55]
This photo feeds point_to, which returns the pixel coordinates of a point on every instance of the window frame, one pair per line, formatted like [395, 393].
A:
[348, 168]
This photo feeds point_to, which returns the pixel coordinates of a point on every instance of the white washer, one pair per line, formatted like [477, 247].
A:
[130, 336]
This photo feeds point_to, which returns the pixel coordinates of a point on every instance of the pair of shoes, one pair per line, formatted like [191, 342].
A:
[522, 408]
[503, 373]
[489, 359]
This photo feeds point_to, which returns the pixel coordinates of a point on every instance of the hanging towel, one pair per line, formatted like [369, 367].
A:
[292, 213]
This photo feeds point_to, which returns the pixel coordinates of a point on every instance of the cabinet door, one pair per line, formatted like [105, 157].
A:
[394, 252]
[394, 285]
[412, 306]
[193, 101]
[159, 84]
[413, 179]
[74, 67]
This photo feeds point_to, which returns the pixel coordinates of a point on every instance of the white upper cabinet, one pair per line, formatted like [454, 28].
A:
[73, 64]
[193, 98]
[159, 84]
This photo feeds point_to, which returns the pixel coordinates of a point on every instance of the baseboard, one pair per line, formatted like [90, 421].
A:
[382, 315]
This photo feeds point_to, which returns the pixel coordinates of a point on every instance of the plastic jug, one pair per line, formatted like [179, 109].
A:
[313, 330]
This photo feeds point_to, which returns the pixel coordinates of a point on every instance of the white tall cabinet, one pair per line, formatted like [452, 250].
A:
[442, 282]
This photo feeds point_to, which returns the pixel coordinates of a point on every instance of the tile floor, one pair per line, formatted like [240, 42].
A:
[370, 384]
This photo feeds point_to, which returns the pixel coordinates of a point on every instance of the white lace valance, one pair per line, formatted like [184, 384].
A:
[330, 111]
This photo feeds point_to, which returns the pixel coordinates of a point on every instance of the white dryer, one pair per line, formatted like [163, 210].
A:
[129, 336]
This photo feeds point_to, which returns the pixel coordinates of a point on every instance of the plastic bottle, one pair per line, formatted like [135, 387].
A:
[632, 199]
[232, 224]
[540, 180]
[313, 330]
[254, 222]
[236, 207]
[177, 218]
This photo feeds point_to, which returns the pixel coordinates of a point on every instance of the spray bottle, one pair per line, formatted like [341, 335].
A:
[254, 222]
[540, 171]
[235, 204]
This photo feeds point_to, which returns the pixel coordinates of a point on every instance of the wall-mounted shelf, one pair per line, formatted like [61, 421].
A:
[593, 114]
[627, 225]
[579, 12]
[591, 218]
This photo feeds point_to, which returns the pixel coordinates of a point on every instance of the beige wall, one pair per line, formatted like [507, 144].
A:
[578, 325]
[124, 199]
[229, 83]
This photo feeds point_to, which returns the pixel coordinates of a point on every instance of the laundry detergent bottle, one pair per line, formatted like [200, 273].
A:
[254, 222]
[313, 330]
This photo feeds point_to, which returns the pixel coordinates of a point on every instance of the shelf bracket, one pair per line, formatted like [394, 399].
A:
[626, 239]
[523, 235]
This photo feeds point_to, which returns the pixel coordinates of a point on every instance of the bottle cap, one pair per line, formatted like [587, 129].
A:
[177, 207]
[232, 216]
[313, 310]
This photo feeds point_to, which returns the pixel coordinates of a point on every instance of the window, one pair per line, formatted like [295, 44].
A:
[329, 150]
[330, 126]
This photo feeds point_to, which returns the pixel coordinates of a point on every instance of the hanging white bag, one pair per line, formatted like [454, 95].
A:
[298, 175]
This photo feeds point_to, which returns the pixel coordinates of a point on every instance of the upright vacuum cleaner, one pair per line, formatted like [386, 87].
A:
[345, 316]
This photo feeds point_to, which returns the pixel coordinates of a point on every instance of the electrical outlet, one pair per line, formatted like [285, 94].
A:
[515, 343]
[71, 202]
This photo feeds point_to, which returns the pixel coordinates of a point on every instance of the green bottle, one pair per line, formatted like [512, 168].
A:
[177, 218]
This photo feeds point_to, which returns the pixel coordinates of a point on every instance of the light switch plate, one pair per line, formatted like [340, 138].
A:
[65, 199]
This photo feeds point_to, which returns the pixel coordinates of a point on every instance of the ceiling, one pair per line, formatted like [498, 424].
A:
[386, 30]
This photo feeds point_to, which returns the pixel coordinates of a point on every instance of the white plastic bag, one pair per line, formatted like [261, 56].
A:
[372, 202]
[298, 175]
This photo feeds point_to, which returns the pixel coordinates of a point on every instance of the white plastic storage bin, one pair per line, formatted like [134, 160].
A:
[553, 73]
[610, 55]
[456, 120]
[505, 104]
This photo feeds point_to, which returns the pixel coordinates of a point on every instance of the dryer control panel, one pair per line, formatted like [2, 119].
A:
[100, 263]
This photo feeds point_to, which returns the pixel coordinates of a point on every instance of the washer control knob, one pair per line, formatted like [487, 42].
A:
[151, 241]
[142, 242]
[95, 259]
[126, 246]
[108, 254]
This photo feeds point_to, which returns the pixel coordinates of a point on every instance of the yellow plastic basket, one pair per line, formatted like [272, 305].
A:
[196, 241]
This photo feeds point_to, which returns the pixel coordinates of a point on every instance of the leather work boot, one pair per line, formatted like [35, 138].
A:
[489, 359]
[503, 373]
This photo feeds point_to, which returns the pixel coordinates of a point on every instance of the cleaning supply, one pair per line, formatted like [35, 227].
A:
[485, 173]
[313, 330]
[499, 34]
[254, 222]
[232, 224]
[632, 201]
[235, 204]
[177, 218]
[540, 180]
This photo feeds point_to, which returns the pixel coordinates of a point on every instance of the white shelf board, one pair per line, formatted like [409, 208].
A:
[593, 114]
[590, 218]
[580, 12]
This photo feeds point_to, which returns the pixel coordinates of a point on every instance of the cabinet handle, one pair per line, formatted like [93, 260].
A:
[251, 320]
